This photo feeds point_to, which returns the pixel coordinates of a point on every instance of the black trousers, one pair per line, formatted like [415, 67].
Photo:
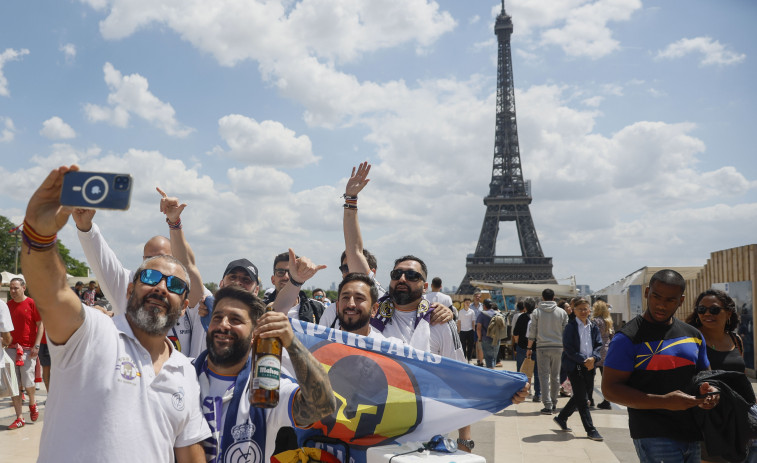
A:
[469, 344]
[582, 380]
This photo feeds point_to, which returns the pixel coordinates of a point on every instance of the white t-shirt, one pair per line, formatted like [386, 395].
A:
[114, 280]
[443, 338]
[436, 296]
[6, 324]
[107, 404]
[219, 390]
[467, 319]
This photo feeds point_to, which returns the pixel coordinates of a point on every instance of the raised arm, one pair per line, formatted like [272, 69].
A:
[300, 270]
[113, 277]
[180, 249]
[45, 273]
[315, 399]
[353, 240]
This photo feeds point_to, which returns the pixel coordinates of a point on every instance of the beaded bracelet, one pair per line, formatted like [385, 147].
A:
[350, 206]
[35, 241]
[175, 225]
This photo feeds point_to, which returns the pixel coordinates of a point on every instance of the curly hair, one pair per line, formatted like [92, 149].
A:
[733, 321]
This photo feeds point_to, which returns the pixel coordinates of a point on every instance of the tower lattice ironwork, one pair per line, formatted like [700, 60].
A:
[509, 195]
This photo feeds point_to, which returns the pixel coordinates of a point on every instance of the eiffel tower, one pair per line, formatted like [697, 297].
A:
[509, 195]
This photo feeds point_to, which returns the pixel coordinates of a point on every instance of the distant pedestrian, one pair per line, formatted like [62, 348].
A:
[547, 324]
[601, 317]
[581, 350]
[520, 337]
[489, 345]
[466, 324]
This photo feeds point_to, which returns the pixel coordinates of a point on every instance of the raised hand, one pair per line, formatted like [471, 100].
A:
[302, 269]
[358, 179]
[170, 206]
[83, 218]
[44, 212]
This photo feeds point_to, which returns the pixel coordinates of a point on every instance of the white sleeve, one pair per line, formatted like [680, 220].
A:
[6, 324]
[199, 342]
[195, 427]
[114, 279]
[328, 316]
[446, 342]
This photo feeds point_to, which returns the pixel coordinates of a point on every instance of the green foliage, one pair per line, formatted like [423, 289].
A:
[8, 246]
[8, 252]
[73, 266]
[212, 287]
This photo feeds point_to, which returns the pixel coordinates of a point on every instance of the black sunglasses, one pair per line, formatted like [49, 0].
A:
[173, 283]
[344, 269]
[410, 275]
[714, 310]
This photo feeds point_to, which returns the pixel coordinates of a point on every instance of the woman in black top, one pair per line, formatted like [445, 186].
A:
[716, 317]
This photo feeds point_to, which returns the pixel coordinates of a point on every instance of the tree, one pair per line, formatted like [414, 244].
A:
[8, 244]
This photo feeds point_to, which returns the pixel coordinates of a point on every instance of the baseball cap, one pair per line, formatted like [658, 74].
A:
[245, 265]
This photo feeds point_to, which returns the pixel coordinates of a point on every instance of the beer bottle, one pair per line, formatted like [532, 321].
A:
[266, 372]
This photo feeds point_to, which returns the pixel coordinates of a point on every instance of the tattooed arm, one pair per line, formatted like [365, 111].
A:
[315, 399]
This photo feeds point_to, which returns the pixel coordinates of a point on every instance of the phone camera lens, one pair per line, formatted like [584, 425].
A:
[122, 182]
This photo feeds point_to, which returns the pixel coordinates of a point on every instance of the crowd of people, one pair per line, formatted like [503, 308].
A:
[169, 368]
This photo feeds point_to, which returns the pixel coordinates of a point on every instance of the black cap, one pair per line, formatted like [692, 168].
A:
[245, 265]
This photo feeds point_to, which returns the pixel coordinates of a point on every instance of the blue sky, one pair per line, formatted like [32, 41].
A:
[635, 121]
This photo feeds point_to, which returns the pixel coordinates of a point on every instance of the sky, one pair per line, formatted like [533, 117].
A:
[635, 121]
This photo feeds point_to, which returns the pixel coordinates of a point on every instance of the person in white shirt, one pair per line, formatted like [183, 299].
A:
[6, 324]
[239, 430]
[139, 395]
[477, 306]
[188, 335]
[466, 324]
[436, 295]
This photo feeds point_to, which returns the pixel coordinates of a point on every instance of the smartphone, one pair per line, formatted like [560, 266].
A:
[702, 396]
[96, 190]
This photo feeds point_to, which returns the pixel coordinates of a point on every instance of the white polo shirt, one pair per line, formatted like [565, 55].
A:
[107, 404]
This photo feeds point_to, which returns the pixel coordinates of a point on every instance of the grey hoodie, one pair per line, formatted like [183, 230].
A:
[547, 324]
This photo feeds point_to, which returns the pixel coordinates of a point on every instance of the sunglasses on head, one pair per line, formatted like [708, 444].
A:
[714, 310]
[410, 275]
[173, 283]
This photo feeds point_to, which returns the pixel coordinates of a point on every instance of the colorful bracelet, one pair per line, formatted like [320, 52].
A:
[175, 225]
[35, 241]
[350, 206]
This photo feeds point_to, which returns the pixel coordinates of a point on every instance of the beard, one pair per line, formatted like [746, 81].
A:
[230, 355]
[149, 320]
[360, 322]
[405, 294]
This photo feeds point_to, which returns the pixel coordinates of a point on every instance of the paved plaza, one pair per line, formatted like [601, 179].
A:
[517, 434]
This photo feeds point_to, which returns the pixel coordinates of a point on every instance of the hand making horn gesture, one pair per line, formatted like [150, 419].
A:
[170, 206]
[302, 269]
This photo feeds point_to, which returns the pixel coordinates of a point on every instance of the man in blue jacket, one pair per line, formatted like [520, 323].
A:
[581, 350]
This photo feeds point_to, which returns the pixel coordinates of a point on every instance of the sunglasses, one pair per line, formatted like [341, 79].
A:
[344, 269]
[153, 277]
[410, 275]
[714, 310]
[280, 272]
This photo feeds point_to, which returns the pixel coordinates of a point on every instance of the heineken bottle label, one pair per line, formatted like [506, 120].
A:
[267, 373]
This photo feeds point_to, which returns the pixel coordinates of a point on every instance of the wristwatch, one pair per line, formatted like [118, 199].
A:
[466, 442]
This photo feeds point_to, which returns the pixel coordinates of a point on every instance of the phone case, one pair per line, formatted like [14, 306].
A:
[96, 190]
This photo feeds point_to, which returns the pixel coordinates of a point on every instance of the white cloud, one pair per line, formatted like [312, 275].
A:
[8, 131]
[474, 19]
[579, 27]
[8, 55]
[131, 95]
[55, 129]
[264, 143]
[657, 93]
[712, 51]
[593, 101]
[69, 52]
